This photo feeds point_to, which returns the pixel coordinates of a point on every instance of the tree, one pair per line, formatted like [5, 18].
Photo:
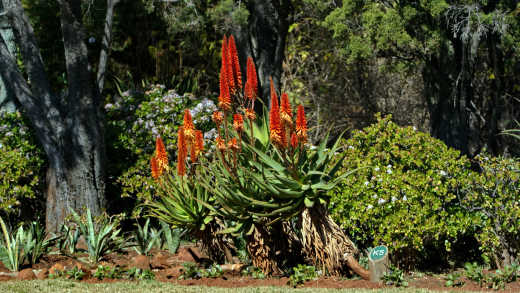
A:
[464, 49]
[69, 125]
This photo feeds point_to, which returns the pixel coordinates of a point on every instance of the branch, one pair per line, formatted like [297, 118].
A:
[105, 45]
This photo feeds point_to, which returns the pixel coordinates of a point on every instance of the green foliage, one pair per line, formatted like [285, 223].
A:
[102, 236]
[134, 120]
[68, 240]
[493, 195]
[254, 272]
[395, 277]
[145, 237]
[302, 274]
[21, 166]
[474, 272]
[140, 274]
[172, 237]
[453, 280]
[37, 242]
[111, 272]
[75, 273]
[11, 248]
[214, 271]
[496, 280]
[190, 271]
[404, 195]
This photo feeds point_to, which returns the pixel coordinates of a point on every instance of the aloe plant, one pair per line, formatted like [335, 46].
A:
[37, 242]
[102, 237]
[172, 237]
[11, 249]
[145, 237]
[68, 239]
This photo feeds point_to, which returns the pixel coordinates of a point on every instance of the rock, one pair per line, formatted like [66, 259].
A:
[233, 268]
[26, 274]
[159, 261]
[42, 274]
[56, 267]
[141, 262]
[185, 255]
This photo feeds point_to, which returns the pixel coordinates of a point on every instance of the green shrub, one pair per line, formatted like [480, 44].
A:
[21, 166]
[493, 195]
[302, 274]
[405, 196]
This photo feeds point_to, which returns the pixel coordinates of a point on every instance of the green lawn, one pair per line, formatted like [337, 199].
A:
[152, 287]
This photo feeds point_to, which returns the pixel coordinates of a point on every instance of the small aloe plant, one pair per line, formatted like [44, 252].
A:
[102, 237]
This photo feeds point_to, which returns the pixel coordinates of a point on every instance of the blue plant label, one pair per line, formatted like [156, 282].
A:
[378, 252]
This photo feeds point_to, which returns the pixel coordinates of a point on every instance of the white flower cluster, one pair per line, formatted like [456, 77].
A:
[202, 112]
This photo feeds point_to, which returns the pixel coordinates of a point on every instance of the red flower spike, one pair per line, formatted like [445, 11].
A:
[294, 140]
[233, 144]
[218, 117]
[301, 124]
[189, 128]
[235, 65]
[221, 144]
[199, 141]
[161, 155]
[226, 66]
[238, 122]
[251, 87]
[277, 134]
[285, 109]
[182, 152]
[251, 114]
[273, 91]
[224, 100]
[155, 168]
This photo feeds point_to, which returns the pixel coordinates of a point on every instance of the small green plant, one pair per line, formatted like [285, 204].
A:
[395, 277]
[57, 274]
[145, 238]
[75, 273]
[102, 237]
[190, 271]
[214, 271]
[302, 274]
[139, 274]
[474, 272]
[453, 280]
[109, 272]
[37, 242]
[12, 254]
[68, 240]
[254, 272]
[171, 237]
[500, 278]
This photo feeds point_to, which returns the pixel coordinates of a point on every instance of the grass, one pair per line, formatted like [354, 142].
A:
[153, 287]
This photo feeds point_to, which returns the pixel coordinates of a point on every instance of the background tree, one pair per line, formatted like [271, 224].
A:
[68, 124]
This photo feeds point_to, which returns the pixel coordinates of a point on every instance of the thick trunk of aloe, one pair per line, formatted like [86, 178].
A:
[325, 243]
[261, 251]
[215, 245]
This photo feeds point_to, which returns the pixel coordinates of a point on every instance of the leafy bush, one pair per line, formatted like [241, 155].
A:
[493, 195]
[21, 166]
[190, 270]
[133, 120]
[405, 195]
[395, 277]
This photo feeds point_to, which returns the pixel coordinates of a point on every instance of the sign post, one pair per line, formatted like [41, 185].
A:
[378, 263]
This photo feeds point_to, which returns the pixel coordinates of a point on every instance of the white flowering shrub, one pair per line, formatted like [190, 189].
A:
[21, 168]
[405, 195]
[134, 120]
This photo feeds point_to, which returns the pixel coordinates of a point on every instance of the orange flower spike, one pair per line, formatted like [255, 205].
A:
[275, 127]
[199, 141]
[251, 87]
[233, 144]
[161, 155]
[226, 66]
[182, 153]
[301, 124]
[224, 99]
[155, 168]
[238, 123]
[217, 117]
[189, 128]
[221, 144]
[294, 140]
[235, 65]
[273, 91]
[285, 110]
[251, 114]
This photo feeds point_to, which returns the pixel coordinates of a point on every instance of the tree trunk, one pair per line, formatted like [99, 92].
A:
[264, 40]
[70, 130]
[105, 45]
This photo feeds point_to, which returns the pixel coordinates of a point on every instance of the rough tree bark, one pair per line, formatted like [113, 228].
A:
[69, 129]
[264, 39]
[105, 44]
